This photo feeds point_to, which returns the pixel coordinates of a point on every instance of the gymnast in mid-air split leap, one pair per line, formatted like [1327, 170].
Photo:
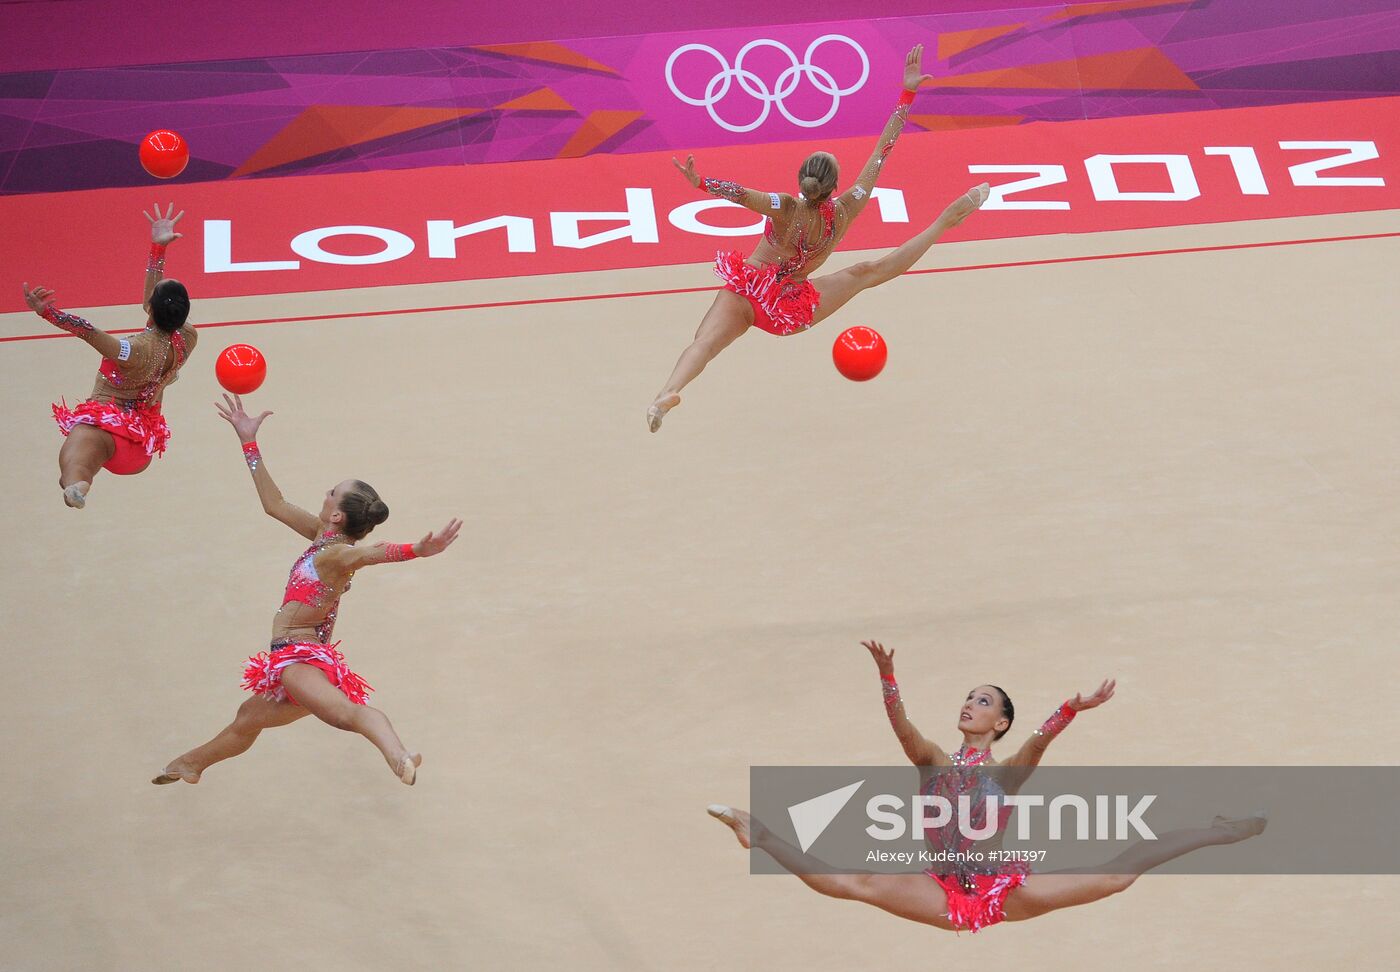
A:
[303, 671]
[962, 894]
[119, 427]
[773, 289]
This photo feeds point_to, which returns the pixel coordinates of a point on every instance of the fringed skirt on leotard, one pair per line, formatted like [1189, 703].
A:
[779, 307]
[262, 674]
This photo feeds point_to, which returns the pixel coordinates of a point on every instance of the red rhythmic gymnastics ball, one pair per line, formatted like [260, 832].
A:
[240, 368]
[859, 353]
[164, 154]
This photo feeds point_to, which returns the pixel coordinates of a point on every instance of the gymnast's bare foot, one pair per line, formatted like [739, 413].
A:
[965, 205]
[174, 773]
[1242, 828]
[659, 408]
[407, 768]
[748, 830]
[75, 495]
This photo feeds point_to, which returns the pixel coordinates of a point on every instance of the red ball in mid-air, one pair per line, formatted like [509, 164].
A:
[860, 353]
[240, 368]
[164, 154]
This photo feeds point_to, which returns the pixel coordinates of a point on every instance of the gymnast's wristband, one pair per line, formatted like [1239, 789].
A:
[1056, 724]
[156, 261]
[251, 455]
[890, 688]
[906, 97]
[397, 552]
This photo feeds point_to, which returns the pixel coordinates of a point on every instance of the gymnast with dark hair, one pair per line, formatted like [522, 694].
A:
[964, 895]
[119, 427]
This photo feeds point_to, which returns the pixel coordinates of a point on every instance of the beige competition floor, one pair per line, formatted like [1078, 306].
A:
[1182, 471]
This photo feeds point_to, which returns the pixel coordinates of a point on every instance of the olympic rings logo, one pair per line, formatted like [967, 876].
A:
[754, 86]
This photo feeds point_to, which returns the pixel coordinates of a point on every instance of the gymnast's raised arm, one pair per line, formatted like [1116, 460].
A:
[273, 503]
[1028, 757]
[920, 750]
[853, 200]
[162, 235]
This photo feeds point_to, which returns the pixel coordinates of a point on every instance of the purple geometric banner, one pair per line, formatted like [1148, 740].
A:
[390, 109]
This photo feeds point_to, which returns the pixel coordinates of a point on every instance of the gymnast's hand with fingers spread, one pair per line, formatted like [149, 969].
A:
[884, 657]
[244, 424]
[1105, 692]
[436, 543]
[163, 226]
[913, 69]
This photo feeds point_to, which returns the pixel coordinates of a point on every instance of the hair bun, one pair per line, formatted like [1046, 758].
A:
[810, 186]
[377, 512]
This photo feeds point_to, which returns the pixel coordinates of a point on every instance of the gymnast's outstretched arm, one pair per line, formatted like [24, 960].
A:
[763, 203]
[920, 750]
[40, 301]
[273, 503]
[348, 558]
[1028, 757]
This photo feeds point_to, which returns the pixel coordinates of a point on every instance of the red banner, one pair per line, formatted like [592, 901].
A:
[606, 212]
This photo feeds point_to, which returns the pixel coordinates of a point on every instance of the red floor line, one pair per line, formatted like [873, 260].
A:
[534, 301]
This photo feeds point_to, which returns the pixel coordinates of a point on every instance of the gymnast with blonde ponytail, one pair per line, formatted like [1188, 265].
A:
[773, 289]
[303, 672]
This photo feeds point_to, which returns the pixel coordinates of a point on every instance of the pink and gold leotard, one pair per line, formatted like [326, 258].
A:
[314, 605]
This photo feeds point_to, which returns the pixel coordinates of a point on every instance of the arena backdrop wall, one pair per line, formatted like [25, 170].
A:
[332, 232]
[443, 88]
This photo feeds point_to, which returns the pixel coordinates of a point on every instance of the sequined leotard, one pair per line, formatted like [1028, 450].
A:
[305, 588]
[127, 394]
[301, 632]
[976, 892]
[797, 239]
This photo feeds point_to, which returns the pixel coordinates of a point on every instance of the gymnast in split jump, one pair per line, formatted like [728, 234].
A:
[774, 290]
